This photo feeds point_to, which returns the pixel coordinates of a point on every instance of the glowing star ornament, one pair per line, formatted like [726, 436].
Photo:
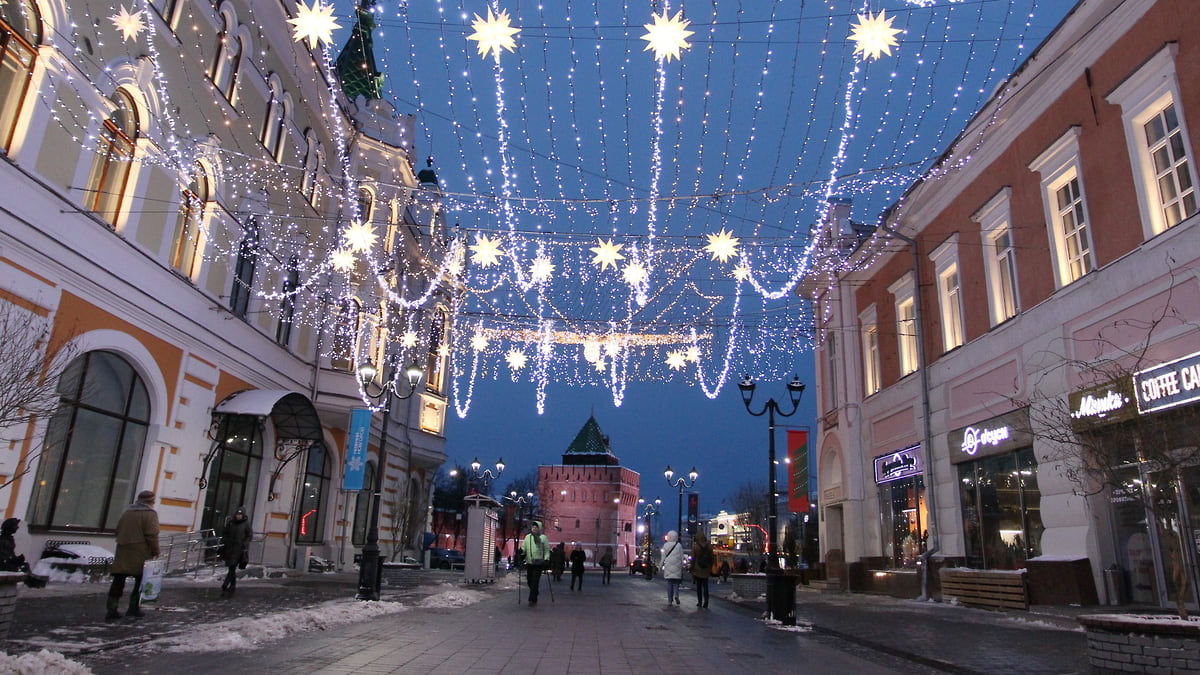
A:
[607, 253]
[667, 36]
[443, 351]
[541, 269]
[494, 34]
[485, 252]
[129, 24]
[741, 272]
[600, 365]
[874, 35]
[315, 24]
[342, 260]
[692, 354]
[635, 273]
[516, 359]
[676, 360]
[360, 237]
[409, 339]
[479, 342]
[722, 246]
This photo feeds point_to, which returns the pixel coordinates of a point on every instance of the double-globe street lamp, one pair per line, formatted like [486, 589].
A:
[486, 476]
[777, 607]
[522, 506]
[681, 483]
[649, 510]
[370, 571]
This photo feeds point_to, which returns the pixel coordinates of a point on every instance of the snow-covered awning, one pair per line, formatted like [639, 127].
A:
[292, 412]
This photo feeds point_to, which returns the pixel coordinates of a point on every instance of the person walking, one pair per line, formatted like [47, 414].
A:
[724, 570]
[558, 560]
[672, 566]
[578, 557]
[606, 563]
[235, 549]
[702, 562]
[536, 549]
[137, 542]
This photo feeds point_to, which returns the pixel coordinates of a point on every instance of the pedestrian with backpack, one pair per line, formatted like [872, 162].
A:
[702, 561]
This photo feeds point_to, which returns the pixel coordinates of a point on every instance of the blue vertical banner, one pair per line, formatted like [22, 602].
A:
[356, 449]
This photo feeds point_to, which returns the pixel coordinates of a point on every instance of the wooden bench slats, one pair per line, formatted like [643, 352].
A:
[981, 588]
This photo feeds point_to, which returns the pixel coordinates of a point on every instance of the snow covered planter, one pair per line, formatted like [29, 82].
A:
[1142, 643]
[8, 598]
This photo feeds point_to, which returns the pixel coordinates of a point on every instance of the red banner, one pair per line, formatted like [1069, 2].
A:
[797, 449]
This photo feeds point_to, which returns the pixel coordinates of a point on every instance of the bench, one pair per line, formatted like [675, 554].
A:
[989, 589]
[94, 567]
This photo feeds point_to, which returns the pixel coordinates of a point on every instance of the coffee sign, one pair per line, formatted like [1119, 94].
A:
[1168, 385]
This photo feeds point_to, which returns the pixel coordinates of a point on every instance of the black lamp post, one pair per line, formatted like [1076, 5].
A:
[795, 391]
[649, 509]
[370, 571]
[486, 476]
[681, 483]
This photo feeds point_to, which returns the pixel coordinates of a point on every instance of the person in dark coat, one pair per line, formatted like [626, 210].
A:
[606, 563]
[9, 560]
[558, 561]
[137, 542]
[578, 557]
[702, 561]
[235, 541]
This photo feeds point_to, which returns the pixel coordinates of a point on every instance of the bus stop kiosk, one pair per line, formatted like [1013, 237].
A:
[482, 521]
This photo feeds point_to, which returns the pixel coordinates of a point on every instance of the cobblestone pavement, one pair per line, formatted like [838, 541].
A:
[625, 627]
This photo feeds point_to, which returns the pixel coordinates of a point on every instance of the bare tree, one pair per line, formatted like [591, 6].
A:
[32, 360]
[749, 501]
[1097, 439]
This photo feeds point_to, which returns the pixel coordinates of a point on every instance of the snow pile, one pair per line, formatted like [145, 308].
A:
[57, 574]
[454, 597]
[44, 661]
[246, 632]
[86, 551]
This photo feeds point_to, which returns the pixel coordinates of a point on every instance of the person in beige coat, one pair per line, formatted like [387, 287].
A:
[137, 542]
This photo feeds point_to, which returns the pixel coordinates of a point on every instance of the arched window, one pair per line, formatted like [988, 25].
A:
[20, 34]
[308, 182]
[243, 270]
[362, 506]
[169, 11]
[274, 124]
[435, 373]
[185, 248]
[314, 194]
[233, 475]
[110, 171]
[310, 520]
[345, 334]
[224, 72]
[287, 306]
[93, 447]
[366, 205]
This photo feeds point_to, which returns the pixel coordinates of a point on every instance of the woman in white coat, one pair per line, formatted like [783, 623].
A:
[672, 566]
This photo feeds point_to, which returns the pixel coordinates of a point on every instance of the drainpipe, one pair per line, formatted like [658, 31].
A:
[934, 544]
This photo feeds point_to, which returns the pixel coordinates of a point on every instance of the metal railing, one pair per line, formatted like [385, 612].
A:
[189, 551]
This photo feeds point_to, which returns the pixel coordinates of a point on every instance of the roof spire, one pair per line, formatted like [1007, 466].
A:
[356, 66]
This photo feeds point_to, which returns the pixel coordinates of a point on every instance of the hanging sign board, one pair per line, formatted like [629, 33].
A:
[356, 449]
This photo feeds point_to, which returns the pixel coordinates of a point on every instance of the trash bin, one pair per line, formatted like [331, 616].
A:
[781, 597]
[1114, 585]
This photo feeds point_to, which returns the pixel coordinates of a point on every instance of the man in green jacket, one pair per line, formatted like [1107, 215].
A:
[537, 551]
[137, 542]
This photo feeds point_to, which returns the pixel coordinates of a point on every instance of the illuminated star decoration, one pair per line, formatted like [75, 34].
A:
[342, 260]
[129, 24]
[600, 365]
[667, 36]
[360, 237]
[676, 360]
[479, 342]
[485, 251]
[607, 253]
[314, 23]
[874, 35]
[635, 273]
[516, 359]
[494, 34]
[692, 354]
[541, 269]
[741, 272]
[722, 246]
[409, 339]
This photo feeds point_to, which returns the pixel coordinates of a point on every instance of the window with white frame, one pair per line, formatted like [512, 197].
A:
[831, 370]
[945, 262]
[226, 62]
[1064, 199]
[1158, 143]
[187, 244]
[275, 123]
[906, 323]
[20, 36]
[999, 258]
[870, 351]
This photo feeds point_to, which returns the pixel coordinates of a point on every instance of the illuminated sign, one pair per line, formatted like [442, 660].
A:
[1104, 404]
[1168, 385]
[973, 438]
[995, 436]
[897, 465]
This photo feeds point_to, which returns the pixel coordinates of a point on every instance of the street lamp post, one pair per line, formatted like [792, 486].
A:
[649, 509]
[370, 572]
[521, 506]
[486, 476]
[681, 483]
[795, 390]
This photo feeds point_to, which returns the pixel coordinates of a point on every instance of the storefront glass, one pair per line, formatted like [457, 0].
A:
[1001, 505]
[904, 517]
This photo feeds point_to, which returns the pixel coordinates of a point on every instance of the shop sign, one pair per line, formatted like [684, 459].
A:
[1112, 402]
[1169, 385]
[990, 437]
[897, 465]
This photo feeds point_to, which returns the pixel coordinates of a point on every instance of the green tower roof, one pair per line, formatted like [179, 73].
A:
[356, 66]
[590, 446]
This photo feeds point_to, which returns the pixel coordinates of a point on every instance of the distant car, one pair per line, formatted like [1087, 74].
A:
[640, 566]
[446, 559]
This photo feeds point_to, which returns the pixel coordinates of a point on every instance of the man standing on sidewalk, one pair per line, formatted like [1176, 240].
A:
[137, 542]
[537, 549]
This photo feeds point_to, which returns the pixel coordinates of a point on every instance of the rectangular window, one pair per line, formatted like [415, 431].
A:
[906, 325]
[1006, 269]
[16, 70]
[952, 315]
[1073, 225]
[831, 370]
[1064, 198]
[870, 352]
[1169, 157]
[999, 257]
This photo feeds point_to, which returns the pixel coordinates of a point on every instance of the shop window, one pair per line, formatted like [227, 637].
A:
[87, 473]
[999, 257]
[1157, 139]
[186, 246]
[870, 351]
[234, 472]
[20, 35]
[287, 304]
[310, 519]
[110, 171]
[906, 323]
[1001, 507]
[905, 533]
[243, 270]
[362, 506]
[1064, 199]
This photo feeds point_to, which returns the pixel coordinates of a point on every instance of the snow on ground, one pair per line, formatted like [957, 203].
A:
[453, 596]
[43, 662]
[248, 631]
